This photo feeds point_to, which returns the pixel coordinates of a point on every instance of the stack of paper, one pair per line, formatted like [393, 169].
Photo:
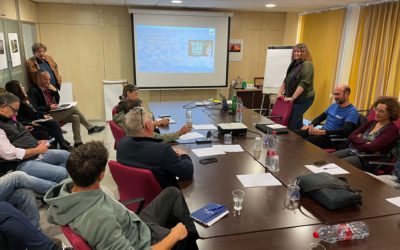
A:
[204, 126]
[258, 180]
[330, 168]
[202, 152]
[191, 136]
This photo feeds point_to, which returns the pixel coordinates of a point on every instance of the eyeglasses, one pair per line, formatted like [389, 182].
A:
[380, 111]
[139, 111]
[12, 109]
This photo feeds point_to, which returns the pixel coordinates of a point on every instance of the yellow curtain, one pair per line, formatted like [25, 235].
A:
[376, 59]
[322, 32]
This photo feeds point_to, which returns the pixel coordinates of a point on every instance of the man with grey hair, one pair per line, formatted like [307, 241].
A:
[44, 97]
[139, 149]
[42, 61]
[19, 150]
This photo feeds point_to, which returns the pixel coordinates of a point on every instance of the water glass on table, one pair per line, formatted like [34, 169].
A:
[292, 196]
[257, 147]
[227, 139]
[238, 196]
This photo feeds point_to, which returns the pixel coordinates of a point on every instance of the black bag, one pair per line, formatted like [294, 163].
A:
[331, 192]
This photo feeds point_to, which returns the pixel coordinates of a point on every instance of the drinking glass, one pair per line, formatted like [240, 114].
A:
[292, 196]
[238, 196]
[273, 164]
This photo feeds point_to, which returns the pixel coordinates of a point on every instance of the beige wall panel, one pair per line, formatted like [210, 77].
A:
[69, 14]
[291, 22]
[28, 11]
[118, 53]
[273, 21]
[78, 50]
[7, 9]
[269, 38]
[118, 16]
[246, 20]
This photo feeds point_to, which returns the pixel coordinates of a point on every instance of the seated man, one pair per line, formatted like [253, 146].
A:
[105, 223]
[141, 150]
[341, 119]
[20, 150]
[44, 97]
[127, 105]
[20, 229]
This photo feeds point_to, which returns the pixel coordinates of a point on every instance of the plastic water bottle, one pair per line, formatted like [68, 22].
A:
[189, 120]
[239, 110]
[234, 104]
[347, 231]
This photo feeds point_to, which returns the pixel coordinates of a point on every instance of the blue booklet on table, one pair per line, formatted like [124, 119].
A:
[210, 213]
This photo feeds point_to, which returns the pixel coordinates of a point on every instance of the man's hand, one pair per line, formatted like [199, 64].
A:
[179, 231]
[306, 127]
[53, 106]
[315, 131]
[47, 117]
[51, 87]
[289, 99]
[185, 129]
[179, 151]
[42, 147]
[162, 122]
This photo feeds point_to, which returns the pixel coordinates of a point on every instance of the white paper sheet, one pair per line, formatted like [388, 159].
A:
[330, 168]
[276, 126]
[191, 135]
[205, 103]
[3, 55]
[394, 200]
[258, 180]
[202, 152]
[204, 126]
[228, 148]
[14, 49]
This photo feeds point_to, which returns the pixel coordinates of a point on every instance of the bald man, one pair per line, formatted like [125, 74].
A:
[341, 119]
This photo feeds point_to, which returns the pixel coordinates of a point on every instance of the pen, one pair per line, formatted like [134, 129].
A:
[215, 208]
[325, 168]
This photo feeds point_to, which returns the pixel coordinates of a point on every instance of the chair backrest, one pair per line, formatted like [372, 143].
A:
[76, 241]
[371, 115]
[133, 183]
[282, 110]
[117, 132]
[114, 110]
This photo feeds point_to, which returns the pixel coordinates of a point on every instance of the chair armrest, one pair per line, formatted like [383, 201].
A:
[139, 200]
[381, 163]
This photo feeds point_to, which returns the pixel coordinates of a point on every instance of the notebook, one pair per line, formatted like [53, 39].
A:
[268, 128]
[210, 213]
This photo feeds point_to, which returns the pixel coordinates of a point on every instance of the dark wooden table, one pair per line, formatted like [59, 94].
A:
[384, 235]
[263, 218]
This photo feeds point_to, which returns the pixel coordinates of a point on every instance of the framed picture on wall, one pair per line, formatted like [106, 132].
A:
[258, 82]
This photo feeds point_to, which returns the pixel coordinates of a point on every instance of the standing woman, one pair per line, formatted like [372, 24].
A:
[298, 85]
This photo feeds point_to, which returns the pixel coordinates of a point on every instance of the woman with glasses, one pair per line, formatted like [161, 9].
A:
[376, 136]
[26, 114]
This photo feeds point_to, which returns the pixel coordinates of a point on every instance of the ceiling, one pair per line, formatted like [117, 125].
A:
[243, 5]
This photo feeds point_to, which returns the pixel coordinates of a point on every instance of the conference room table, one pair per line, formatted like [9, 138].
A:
[263, 217]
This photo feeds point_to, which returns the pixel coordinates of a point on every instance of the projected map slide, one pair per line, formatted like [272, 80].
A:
[174, 49]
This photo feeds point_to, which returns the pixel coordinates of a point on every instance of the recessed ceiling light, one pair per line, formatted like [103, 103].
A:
[176, 1]
[270, 5]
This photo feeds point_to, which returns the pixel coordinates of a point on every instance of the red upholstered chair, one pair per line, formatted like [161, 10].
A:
[114, 110]
[74, 239]
[117, 132]
[281, 111]
[134, 183]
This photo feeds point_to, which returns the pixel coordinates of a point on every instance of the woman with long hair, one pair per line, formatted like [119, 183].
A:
[27, 115]
[297, 86]
[378, 135]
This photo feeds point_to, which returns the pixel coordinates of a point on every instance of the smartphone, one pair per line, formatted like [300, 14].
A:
[320, 163]
[208, 160]
[49, 142]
